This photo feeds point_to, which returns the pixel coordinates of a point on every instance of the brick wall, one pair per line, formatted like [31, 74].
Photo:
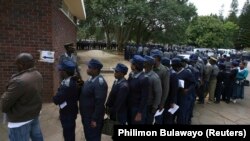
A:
[29, 26]
[63, 31]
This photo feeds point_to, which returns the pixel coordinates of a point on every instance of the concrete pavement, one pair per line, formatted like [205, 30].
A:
[220, 114]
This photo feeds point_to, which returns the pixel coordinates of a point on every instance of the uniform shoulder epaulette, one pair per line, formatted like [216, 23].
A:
[66, 82]
[101, 81]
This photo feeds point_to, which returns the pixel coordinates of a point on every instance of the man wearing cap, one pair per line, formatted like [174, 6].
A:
[168, 118]
[231, 91]
[69, 55]
[196, 70]
[164, 75]
[66, 98]
[228, 80]
[22, 101]
[211, 73]
[116, 104]
[138, 92]
[220, 83]
[165, 61]
[186, 89]
[92, 100]
[155, 89]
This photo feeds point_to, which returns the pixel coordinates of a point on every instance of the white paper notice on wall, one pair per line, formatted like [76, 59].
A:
[47, 56]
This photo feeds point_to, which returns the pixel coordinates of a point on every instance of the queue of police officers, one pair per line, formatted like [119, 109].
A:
[153, 84]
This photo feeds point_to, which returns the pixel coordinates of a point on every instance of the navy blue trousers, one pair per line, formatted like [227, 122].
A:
[68, 124]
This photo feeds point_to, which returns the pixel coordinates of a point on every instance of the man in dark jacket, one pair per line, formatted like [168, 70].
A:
[22, 101]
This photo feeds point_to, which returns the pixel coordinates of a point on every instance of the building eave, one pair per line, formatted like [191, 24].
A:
[76, 8]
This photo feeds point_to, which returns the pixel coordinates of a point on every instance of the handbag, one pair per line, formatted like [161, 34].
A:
[108, 126]
[246, 82]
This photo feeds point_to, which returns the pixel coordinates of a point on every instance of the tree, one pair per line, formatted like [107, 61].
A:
[244, 30]
[221, 12]
[140, 21]
[233, 12]
[209, 31]
[230, 29]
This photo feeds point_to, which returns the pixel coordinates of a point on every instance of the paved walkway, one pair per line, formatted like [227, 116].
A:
[222, 113]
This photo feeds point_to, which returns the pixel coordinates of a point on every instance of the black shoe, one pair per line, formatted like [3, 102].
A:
[199, 102]
[217, 102]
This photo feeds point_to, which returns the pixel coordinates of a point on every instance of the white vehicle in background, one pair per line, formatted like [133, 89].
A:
[227, 51]
[186, 56]
[209, 51]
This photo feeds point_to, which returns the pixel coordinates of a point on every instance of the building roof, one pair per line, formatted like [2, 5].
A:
[76, 8]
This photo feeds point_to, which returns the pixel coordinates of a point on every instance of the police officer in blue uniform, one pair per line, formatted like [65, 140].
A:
[92, 99]
[184, 96]
[138, 92]
[70, 55]
[220, 82]
[66, 97]
[155, 90]
[196, 72]
[116, 104]
[173, 91]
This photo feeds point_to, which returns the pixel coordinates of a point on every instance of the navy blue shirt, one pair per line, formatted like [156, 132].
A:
[117, 100]
[188, 77]
[67, 95]
[138, 90]
[189, 83]
[173, 88]
[92, 98]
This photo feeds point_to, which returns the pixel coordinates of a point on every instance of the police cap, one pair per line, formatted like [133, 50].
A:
[95, 64]
[67, 65]
[149, 59]
[121, 68]
[165, 61]
[176, 61]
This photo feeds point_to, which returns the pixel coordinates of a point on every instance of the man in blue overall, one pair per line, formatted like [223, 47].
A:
[92, 98]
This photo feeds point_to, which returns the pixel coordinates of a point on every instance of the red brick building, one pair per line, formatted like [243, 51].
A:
[33, 25]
